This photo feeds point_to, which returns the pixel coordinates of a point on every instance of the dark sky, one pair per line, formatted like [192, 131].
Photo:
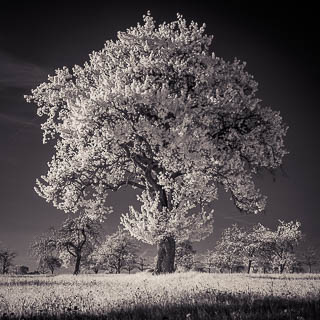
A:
[278, 43]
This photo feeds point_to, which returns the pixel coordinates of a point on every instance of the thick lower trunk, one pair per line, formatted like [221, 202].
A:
[77, 266]
[165, 255]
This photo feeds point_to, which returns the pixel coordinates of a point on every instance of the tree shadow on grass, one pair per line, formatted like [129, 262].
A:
[232, 307]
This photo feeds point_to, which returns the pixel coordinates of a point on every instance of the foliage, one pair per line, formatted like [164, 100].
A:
[211, 261]
[45, 249]
[118, 252]
[310, 257]
[130, 261]
[156, 110]
[50, 263]
[69, 244]
[143, 263]
[257, 247]
[283, 242]
[184, 258]
[93, 261]
[21, 269]
[228, 250]
[76, 239]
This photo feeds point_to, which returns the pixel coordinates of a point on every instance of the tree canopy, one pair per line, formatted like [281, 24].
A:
[156, 110]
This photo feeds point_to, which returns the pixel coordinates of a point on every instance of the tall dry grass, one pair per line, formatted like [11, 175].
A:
[175, 296]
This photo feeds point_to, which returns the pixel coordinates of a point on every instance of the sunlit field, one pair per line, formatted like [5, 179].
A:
[176, 296]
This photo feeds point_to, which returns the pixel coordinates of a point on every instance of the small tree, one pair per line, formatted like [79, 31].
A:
[263, 254]
[94, 261]
[310, 257]
[283, 243]
[21, 269]
[130, 262]
[229, 249]
[50, 262]
[209, 260]
[143, 263]
[117, 250]
[76, 239]
[44, 248]
[184, 255]
[158, 111]
[6, 259]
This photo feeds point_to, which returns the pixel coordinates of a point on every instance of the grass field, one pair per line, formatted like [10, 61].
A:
[176, 296]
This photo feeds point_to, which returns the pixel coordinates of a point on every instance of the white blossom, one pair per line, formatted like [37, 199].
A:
[158, 111]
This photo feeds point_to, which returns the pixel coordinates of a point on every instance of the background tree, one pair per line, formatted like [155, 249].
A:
[76, 239]
[263, 247]
[94, 261]
[209, 260]
[45, 249]
[296, 266]
[143, 263]
[283, 243]
[252, 244]
[6, 259]
[310, 257]
[118, 250]
[130, 262]
[50, 263]
[21, 269]
[229, 249]
[158, 111]
[185, 255]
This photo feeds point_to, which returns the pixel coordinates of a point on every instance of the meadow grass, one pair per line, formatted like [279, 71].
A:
[176, 296]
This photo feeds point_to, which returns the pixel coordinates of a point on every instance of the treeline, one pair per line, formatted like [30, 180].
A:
[78, 243]
[260, 249]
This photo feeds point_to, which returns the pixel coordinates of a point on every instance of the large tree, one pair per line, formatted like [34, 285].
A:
[156, 110]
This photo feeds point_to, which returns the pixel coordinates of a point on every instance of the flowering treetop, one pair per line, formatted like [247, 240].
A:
[157, 111]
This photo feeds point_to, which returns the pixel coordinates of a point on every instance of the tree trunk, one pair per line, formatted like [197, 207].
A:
[165, 255]
[118, 271]
[77, 266]
[249, 266]
[282, 268]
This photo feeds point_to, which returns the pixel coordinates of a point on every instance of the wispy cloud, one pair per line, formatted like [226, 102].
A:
[18, 73]
[244, 220]
[18, 120]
